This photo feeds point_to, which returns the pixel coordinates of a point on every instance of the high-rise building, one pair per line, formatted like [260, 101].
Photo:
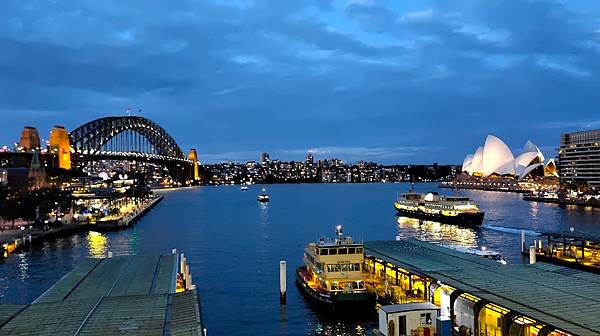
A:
[579, 157]
[309, 159]
[264, 158]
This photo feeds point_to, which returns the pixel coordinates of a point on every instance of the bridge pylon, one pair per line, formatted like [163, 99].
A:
[193, 156]
[61, 145]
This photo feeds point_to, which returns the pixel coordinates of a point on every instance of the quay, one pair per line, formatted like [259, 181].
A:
[134, 295]
[482, 297]
[17, 242]
[568, 248]
[593, 203]
[486, 185]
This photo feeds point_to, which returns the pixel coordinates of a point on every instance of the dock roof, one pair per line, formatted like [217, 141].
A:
[129, 294]
[565, 298]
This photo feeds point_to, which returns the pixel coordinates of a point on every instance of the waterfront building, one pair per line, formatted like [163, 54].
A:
[494, 158]
[309, 159]
[3, 177]
[579, 157]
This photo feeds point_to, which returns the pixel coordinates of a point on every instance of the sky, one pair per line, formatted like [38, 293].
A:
[411, 81]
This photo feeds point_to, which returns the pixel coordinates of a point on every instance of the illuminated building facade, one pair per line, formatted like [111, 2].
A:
[193, 155]
[579, 157]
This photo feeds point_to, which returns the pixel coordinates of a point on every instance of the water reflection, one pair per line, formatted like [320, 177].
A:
[97, 244]
[436, 232]
[23, 266]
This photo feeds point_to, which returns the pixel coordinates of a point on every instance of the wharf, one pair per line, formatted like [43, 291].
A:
[562, 201]
[549, 299]
[17, 242]
[136, 295]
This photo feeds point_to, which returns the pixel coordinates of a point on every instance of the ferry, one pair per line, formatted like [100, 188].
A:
[483, 253]
[244, 187]
[444, 209]
[263, 197]
[332, 276]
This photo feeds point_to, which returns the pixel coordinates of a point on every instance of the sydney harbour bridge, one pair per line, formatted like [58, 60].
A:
[125, 138]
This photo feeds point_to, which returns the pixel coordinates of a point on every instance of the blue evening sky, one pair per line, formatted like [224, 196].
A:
[411, 81]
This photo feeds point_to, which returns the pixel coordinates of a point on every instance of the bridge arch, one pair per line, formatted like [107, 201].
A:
[91, 137]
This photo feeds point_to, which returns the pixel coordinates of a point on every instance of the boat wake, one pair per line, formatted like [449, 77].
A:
[512, 230]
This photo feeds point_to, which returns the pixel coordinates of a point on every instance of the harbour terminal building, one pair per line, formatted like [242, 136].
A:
[579, 157]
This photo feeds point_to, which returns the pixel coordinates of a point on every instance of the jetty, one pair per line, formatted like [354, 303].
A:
[27, 237]
[133, 295]
[483, 297]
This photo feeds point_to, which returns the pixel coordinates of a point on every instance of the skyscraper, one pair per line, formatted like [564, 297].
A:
[309, 159]
[264, 158]
[579, 157]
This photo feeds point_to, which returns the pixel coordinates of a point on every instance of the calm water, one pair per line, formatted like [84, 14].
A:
[234, 245]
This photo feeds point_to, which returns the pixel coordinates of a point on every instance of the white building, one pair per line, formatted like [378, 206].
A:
[408, 319]
[495, 158]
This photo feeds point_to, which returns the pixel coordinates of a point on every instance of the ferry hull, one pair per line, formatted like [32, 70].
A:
[462, 219]
[337, 303]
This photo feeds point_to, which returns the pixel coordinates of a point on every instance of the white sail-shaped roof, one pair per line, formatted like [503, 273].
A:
[476, 164]
[530, 147]
[528, 170]
[524, 160]
[496, 154]
[466, 166]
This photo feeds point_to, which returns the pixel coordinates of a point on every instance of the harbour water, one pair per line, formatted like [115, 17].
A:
[233, 245]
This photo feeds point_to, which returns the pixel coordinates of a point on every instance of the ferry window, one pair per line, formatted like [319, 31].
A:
[329, 268]
[354, 285]
[345, 267]
[342, 251]
[359, 250]
[334, 286]
[332, 251]
[337, 268]
[351, 250]
[361, 285]
[356, 267]
[324, 251]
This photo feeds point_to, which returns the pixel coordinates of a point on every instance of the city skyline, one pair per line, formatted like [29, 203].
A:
[419, 82]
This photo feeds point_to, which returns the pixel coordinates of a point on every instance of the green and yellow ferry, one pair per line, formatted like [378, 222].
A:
[332, 276]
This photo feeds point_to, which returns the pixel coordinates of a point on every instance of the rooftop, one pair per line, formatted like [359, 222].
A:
[400, 308]
[566, 298]
[129, 294]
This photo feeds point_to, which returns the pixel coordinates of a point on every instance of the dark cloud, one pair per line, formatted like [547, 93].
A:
[246, 76]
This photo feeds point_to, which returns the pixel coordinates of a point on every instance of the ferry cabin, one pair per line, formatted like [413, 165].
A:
[336, 267]
[446, 205]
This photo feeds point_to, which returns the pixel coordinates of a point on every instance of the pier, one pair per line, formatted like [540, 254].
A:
[572, 249]
[136, 295]
[483, 297]
[16, 242]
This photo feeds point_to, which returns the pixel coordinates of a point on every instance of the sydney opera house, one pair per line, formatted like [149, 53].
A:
[495, 159]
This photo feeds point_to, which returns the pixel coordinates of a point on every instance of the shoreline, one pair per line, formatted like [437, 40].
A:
[17, 242]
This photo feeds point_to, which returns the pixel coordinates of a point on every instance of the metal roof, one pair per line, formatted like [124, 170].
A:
[416, 306]
[130, 294]
[565, 298]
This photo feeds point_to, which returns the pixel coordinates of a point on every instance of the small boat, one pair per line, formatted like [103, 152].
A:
[483, 253]
[263, 197]
[244, 187]
[332, 276]
[444, 209]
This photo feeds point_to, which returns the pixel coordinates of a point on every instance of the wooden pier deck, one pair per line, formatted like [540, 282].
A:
[134, 295]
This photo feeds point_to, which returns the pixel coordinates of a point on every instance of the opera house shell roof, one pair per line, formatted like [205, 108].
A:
[495, 158]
